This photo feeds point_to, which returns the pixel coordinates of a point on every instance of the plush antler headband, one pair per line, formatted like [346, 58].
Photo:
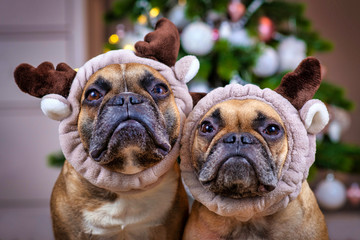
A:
[303, 118]
[61, 90]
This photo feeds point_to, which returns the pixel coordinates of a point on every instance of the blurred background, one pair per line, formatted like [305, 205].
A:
[248, 41]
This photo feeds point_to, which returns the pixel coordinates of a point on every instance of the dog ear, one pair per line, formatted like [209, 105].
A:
[300, 85]
[186, 68]
[161, 45]
[196, 97]
[44, 79]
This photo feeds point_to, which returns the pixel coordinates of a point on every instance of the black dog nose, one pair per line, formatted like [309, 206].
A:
[243, 138]
[127, 98]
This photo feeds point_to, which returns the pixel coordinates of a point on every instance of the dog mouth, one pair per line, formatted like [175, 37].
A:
[132, 129]
[130, 124]
[236, 176]
[211, 168]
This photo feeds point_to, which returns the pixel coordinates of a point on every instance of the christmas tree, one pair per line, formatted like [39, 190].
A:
[248, 41]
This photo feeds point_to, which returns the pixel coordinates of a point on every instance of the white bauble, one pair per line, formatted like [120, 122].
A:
[334, 131]
[241, 38]
[197, 38]
[340, 121]
[291, 52]
[267, 64]
[331, 193]
[177, 16]
[238, 80]
[199, 85]
[225, 30]
[237, 37]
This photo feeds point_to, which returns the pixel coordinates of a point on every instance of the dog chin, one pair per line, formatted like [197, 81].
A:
[235, 178]
[130, 142]
[232, 177]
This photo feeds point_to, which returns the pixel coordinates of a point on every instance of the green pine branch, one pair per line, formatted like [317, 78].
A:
[56, 159]
[334, 95]
[338, 156]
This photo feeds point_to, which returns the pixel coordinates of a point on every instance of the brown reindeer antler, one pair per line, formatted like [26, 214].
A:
[300, 85]
[162, 44]
[44, 79]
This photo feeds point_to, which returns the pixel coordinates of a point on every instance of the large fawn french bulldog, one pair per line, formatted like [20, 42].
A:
[121, 119]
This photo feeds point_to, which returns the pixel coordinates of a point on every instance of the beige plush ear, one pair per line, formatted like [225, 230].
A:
[186, 68]
[55, 106]
[315, 116]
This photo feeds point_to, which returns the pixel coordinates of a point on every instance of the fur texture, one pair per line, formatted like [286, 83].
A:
[95, 213]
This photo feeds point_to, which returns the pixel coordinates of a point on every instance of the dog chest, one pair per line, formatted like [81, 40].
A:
[131, 216]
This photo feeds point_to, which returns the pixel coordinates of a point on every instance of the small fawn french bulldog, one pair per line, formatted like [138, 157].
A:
[246, 153]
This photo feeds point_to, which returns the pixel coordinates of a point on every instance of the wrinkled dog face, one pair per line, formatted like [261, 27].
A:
[239, 148]
[128, 119]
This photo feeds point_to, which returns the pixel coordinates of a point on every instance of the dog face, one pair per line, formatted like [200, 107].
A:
[128, 119]
[239, 148]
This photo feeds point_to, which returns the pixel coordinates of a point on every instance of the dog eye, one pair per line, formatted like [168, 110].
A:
[207, 127]
[159, 89]
[93, 95]
[272, 130]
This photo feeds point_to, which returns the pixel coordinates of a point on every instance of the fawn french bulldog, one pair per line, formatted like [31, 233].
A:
[121, 119]
[246, 153]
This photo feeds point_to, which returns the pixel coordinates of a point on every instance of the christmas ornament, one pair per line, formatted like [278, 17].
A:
[253, 7]
[236, 10]
[237, 79]
[266, 29]
[267, 64]
[197, 38]
[237, 37]
[331, 193]
[339, 123]
[120, 30]
[213, 17]
[177, 16]
[225, 30]
[216, 34]
[200, 85]
[241, 38]
[353, 194]
[291, 52]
